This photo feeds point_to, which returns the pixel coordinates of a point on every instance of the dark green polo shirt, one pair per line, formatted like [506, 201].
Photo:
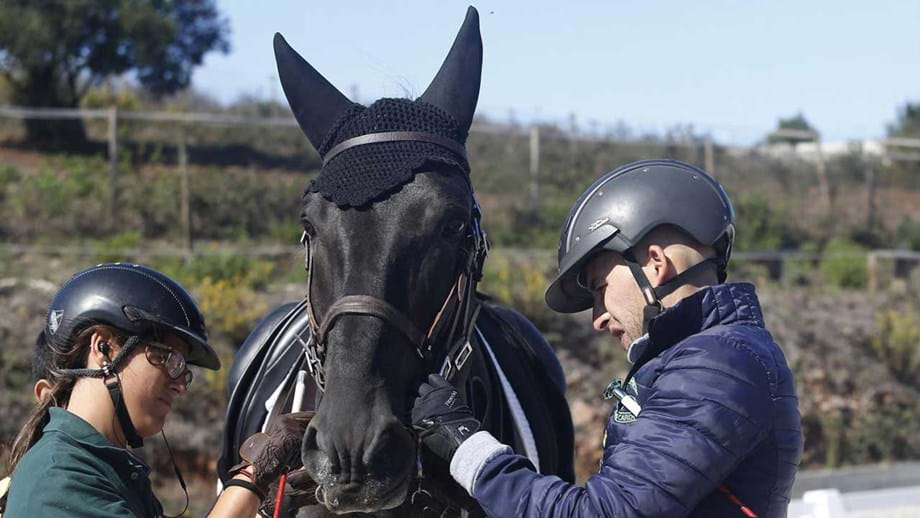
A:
[73, 471]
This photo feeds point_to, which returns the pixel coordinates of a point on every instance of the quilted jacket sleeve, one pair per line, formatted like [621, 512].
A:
[707, 409]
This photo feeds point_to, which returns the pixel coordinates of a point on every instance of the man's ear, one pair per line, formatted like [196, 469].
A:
[658, 266]
[41, 389]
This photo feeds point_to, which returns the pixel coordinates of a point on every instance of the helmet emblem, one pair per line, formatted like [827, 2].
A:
[597, 224]
[54, 320]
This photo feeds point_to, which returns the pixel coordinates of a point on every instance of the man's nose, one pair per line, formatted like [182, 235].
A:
[179, 385]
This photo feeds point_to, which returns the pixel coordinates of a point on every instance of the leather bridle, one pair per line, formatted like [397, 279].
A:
[452, 325]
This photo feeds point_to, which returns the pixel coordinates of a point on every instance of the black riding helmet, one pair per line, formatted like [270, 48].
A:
[134, 299]
[623, 206]
[138, 301]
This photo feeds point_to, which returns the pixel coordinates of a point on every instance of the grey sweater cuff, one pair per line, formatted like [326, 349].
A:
[472, 455]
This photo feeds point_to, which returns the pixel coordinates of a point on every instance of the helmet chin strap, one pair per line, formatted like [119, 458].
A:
[113, 385]
[653, 295]
[642, 350]
[109, 375]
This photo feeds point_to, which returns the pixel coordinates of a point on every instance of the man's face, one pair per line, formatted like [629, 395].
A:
[618, 301]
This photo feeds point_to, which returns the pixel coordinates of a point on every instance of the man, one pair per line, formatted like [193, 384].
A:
[707, 423]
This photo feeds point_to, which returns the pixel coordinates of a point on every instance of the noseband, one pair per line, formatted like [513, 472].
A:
[452, 325]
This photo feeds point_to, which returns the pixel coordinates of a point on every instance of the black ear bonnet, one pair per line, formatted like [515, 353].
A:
[363, 174]
[370, 152]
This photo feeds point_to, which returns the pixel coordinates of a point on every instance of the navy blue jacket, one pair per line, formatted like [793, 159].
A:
[718, 409]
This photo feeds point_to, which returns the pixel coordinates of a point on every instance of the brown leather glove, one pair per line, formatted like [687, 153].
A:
[276, 450]
[300, 491]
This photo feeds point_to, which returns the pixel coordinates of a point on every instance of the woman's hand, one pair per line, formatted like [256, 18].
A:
[277, 450]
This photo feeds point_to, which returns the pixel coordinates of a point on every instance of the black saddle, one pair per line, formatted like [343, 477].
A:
[268, 359]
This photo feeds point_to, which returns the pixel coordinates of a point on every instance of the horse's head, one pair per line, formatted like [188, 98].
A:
[391, 229]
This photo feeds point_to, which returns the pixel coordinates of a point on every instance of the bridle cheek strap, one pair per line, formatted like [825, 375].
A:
[371, 306]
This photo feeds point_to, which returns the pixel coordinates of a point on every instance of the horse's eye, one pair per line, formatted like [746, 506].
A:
[453, 228]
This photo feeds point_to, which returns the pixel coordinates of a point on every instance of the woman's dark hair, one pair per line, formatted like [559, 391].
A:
[41, 356]
[50, 357]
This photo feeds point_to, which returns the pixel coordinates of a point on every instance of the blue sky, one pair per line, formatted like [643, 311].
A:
[729, 67]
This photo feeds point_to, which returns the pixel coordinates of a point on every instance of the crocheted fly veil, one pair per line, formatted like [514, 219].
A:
[370, 152]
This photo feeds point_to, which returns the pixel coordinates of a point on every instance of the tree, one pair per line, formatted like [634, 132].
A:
[908, 122]
[53, 51]
[793, 130]
[906, 158]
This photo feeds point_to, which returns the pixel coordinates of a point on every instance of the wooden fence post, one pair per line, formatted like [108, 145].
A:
[872, 272]
[871, 190]
[709, 159]
[824, 183]
[113, 167]
[535, 169]
[185, 209]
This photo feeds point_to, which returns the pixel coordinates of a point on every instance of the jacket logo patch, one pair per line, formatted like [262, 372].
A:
[621, 415]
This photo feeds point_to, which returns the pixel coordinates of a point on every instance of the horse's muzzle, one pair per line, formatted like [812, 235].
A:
[359, 469]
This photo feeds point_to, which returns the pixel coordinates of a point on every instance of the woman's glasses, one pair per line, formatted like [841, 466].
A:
[170, 360]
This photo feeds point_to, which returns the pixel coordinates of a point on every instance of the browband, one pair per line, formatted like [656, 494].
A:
[396, 136]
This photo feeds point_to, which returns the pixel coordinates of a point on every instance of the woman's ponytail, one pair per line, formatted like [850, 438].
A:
[31, 431]
[52, 354]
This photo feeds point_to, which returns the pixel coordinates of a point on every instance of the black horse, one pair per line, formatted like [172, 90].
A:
[394, 251]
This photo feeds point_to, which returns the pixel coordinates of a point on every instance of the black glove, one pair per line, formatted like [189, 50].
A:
[441, 417]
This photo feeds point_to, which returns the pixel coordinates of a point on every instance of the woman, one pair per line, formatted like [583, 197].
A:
[119, 340]
[40, 389]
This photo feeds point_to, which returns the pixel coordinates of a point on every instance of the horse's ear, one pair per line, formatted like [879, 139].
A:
[315, 102]
[456, 87]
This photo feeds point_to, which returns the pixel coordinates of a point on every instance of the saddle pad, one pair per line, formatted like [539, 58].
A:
[517, 413]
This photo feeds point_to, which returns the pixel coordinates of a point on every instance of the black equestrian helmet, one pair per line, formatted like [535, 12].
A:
[624, 205]
[134, 299]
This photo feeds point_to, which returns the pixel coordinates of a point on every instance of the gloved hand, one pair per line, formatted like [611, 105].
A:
[277, 450]
[441, 417]
[300, 491]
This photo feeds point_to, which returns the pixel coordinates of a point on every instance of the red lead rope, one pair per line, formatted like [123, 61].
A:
[280, 495]
[733, 499]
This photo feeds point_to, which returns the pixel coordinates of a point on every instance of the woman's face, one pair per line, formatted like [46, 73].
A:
[148, 390]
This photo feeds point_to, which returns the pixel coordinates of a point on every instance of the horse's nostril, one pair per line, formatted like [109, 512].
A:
[309, 439]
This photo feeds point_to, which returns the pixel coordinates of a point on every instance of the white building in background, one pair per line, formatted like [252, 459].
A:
[810, 150]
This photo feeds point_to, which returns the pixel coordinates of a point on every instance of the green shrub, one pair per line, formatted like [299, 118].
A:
[897, 343]
[239, 270]
[9, 174]
[229, 307]
[285, 232]
[109, 249]
[843, 264]
[907, 235]
[884, 433]
[760, 225]
[519, 282]
[801, 272]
